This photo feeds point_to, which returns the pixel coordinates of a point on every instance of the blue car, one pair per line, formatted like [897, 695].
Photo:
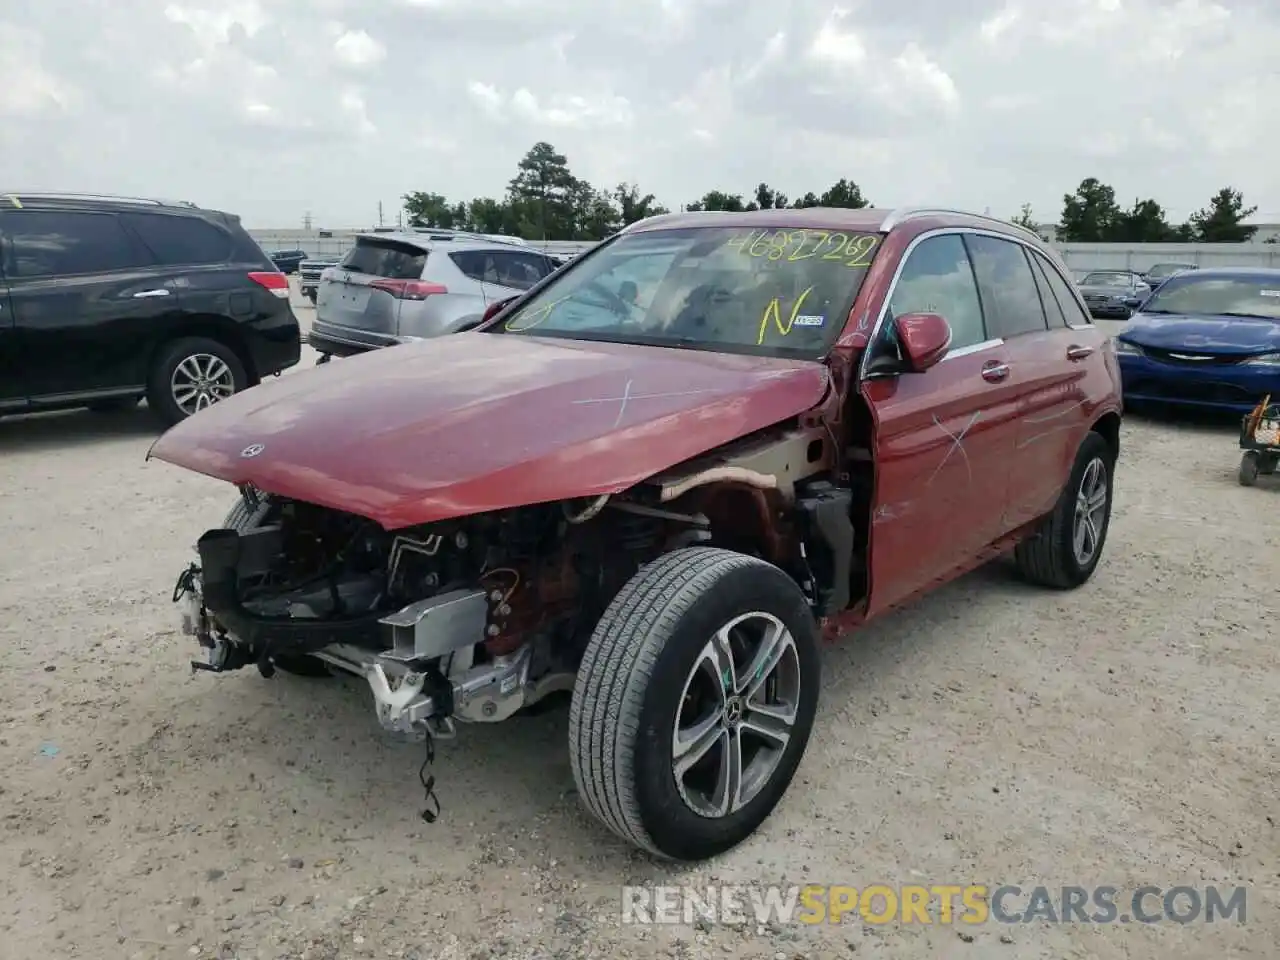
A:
[1205, 338]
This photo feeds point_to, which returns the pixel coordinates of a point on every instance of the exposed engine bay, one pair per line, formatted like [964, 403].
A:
[474, 619]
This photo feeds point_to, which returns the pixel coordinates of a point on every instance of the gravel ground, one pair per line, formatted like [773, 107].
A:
[1122, 734]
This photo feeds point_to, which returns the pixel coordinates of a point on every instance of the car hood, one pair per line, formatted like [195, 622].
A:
[478, 421]
[1230, 336]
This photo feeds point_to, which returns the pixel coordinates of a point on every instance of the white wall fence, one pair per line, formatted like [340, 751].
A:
[1081, 257]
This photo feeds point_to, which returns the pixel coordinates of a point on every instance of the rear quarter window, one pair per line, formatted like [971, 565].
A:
[1075, 315]
[386, 258]
[175, 240]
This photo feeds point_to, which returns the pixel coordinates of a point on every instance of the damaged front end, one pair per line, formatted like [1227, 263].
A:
[470, 620]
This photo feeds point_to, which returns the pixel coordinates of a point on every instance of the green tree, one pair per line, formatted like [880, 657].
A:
[1090, 215]
[1023, 218]
[428, 210]
[543, 192]
[1221, 221]
[719, 200]
[844, 193]
[810, 199]
[769, 199]
[633, 206]
[1144, 222]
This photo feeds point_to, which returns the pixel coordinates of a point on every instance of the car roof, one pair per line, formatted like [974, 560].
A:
[1240, 273]
[864, 219]
[57, 200]
[453, 240]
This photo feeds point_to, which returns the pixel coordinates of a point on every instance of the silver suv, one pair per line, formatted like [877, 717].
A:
[394, 287]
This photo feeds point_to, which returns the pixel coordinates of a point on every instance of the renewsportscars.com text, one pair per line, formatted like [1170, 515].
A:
[943, 904]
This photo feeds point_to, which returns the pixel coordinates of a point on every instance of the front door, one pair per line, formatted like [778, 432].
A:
[86, 299]
[943, 437]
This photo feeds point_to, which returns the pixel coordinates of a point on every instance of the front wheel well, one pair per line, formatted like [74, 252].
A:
[1108, 427]
[213, 327]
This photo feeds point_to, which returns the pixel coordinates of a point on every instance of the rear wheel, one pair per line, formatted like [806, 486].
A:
[191, 374]
[694, 702]
[1066, 550]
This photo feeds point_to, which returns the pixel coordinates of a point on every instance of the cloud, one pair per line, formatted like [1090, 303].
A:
[355, 48]
[273, 108]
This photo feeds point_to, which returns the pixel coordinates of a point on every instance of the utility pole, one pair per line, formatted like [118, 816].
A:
[306, 221]
[381, 222]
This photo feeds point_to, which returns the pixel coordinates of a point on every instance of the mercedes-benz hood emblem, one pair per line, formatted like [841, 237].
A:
[252, 450]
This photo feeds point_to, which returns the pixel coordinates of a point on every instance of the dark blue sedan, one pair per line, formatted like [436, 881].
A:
[1208, 338]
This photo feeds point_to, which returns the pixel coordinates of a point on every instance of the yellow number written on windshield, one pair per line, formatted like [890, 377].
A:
[527, 320]
[854, 250]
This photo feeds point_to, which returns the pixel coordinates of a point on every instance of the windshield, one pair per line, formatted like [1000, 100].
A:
[776, 292]
[1240, 296]
[1108, 280]
[1167, 269]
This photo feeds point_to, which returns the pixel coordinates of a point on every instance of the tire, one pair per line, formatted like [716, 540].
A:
[1250, 465]
[1048, 558]
[644, 663]
[243, 518]
[311, 295]
[201, 355]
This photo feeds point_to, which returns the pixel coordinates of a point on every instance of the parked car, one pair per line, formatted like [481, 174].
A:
[396, 288]
[106, 300]
[1208, 338]
[803, 419]
[1161, 272]
[1113, 293]
[288, 261]
[309, 273]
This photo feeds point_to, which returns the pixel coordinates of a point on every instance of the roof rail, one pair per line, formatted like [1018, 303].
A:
[472, 234]
[16, 196]
[901, 214]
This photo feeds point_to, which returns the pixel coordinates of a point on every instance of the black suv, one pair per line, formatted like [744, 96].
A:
[107, 300]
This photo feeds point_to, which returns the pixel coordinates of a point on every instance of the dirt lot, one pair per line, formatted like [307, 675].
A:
[1123, 734]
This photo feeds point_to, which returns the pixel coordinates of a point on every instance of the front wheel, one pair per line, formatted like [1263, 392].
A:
[694, 702]
[1250, 467]
[1066, 549]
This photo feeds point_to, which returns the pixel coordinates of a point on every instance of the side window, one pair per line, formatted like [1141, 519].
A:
[53, 243]
[176, 240]
[470, 262]
[1009, 293]
[1052, 309]
[938, 278]
[1076, 317]
[519, 270]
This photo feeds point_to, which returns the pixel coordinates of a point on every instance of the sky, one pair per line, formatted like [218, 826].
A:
[274, 109]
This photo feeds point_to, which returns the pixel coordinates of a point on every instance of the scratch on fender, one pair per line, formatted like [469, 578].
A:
[1054, 416]
[1042, 434]
[957, 444]
[627, 397]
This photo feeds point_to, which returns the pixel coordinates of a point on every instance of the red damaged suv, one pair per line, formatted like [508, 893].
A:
[655, 481]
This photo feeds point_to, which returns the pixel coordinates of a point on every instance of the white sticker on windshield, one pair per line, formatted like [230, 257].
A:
[810, 320]
[1270, 293]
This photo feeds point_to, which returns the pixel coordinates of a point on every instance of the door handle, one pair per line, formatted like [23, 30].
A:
[158, 292]
[993, 371]
[1078, 353]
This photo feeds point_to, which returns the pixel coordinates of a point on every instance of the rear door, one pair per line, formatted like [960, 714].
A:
[13, 391]
[352, 298]
[943, 437]
[86, 297]
[1024, 311]
[517, 271]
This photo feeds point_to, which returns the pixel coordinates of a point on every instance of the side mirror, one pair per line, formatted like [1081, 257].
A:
[924, 339]
[495, 308]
